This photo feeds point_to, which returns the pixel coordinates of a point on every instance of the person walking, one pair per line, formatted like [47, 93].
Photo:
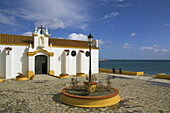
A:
[120, 70]
[113, 70]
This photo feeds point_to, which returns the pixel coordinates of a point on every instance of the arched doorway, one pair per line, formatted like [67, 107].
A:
[40, 64]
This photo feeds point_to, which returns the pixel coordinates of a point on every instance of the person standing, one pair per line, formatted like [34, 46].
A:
[113, 70]
[120, 70]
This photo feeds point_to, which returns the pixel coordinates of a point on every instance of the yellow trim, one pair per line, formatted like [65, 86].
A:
[47, 36]
[35, 52]
[34, 34]
[22, 79]
[90, 102]
[64, 75]
[123, 72]
[30, 74]
[52, 46]
[43, 40]
[51, 72]
[1, 80]
[163, 76]
[74, 47]
[80, 74]
[15, 44]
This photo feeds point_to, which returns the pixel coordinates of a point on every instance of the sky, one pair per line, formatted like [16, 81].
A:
[125, 29]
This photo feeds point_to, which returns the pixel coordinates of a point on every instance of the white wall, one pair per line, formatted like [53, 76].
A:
[2, 61]
[20, 60]
[72, 61]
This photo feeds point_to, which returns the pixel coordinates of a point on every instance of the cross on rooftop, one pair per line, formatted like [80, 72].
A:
[41, 29]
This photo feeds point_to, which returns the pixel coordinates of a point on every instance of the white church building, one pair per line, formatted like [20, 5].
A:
[40, 54]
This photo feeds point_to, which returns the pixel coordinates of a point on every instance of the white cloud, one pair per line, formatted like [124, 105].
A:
[57, 37]
[108, 2]
[155, 49]
[112, 26]
[27, 33]
[121, 5]
[102, 43]
[133, 34]
[167, 24]
[5, 19]
[83, 26]
[105, 43]
[53, 14]
[51, 23]
[119, 0]
[127, 46]
[110, 15]
[75, 36]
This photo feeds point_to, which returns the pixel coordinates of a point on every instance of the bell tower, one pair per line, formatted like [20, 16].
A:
[41, 38]
[40, 50]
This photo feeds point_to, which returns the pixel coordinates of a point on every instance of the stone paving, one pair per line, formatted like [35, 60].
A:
[42, 95]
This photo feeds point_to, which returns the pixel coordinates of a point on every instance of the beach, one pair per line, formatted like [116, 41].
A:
[138, 94]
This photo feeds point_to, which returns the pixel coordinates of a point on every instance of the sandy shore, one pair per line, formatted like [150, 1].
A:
[43, 95]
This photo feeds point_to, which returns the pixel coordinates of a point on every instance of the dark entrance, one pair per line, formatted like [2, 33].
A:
[40, 64]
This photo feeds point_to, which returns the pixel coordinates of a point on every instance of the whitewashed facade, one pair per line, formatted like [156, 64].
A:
[40, 55]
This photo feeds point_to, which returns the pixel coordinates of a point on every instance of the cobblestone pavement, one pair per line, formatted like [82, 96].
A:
[43, 96]
[44, 77]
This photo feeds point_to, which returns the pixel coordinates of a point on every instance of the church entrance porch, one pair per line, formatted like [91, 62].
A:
[40, 64]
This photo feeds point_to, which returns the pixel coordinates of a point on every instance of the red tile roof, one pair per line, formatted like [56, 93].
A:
[26, 40]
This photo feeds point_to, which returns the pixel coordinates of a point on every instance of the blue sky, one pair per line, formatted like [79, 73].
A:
[125, 29]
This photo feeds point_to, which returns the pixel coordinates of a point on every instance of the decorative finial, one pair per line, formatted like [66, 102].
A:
[30, 45]
[51, 45]
[35, 29]
[47, 30]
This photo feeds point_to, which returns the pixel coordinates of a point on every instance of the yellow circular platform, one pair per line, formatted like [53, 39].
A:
[84, 101]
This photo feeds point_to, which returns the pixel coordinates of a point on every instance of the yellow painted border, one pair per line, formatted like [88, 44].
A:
[85, 102]
[40, 39]
[123, 72]
[34, 34]
[23, 78]
[1, 79]
[162, 76]
[90, 103]
[14, 44]
[51, 72]
[64, 75]
[74, 47]
[35, 52]
[52, 46]
[30, 74]
[80, 74]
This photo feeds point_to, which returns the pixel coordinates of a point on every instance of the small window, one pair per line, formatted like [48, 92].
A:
[41, 41]
[73, 53]
[87, 53]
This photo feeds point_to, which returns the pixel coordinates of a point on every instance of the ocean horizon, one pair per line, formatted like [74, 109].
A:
[150, 67]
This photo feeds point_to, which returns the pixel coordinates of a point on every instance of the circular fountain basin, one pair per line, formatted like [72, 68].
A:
[98, 99]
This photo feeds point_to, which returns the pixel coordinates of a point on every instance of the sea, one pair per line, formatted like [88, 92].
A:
[150, 67]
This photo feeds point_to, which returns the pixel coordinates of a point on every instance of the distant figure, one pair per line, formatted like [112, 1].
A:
[120, 70]
[113, 70]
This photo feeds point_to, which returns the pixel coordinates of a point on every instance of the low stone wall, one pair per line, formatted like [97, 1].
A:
[123, 72]
[163, 76]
